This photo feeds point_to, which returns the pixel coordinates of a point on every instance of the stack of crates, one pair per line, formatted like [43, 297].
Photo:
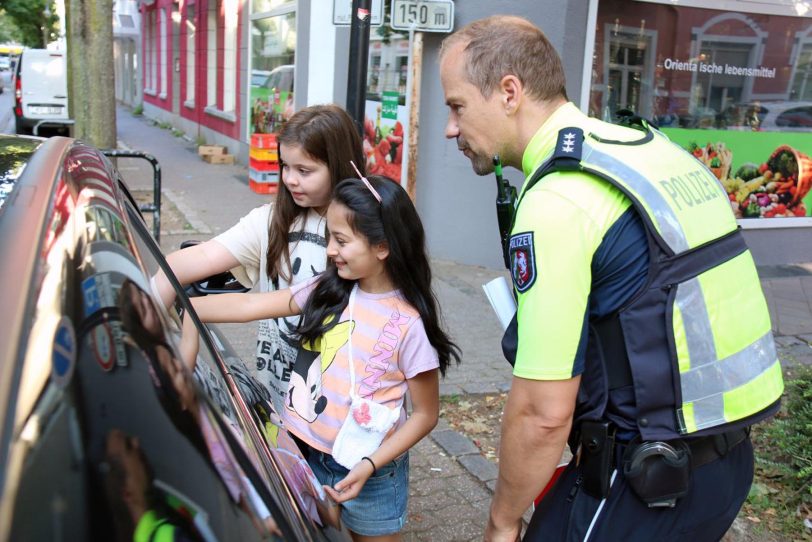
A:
[263, 164]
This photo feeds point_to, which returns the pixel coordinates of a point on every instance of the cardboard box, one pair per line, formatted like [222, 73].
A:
[211, 150]
[219, 158]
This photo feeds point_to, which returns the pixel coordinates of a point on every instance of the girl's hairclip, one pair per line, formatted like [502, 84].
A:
[366, 182]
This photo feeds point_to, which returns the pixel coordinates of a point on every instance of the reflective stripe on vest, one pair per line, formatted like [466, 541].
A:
[709, 380]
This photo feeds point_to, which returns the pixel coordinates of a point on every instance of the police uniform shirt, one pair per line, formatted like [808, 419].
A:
[578, 252]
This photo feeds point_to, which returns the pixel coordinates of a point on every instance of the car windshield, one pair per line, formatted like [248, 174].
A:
[14, 155]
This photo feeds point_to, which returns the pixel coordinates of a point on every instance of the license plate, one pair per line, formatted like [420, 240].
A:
[45, 110]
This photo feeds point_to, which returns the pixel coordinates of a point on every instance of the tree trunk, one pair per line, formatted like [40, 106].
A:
[91, 77]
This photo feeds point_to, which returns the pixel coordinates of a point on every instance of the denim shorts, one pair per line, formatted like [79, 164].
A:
[380, 508]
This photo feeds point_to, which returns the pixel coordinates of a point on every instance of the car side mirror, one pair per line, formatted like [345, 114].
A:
[221, 283]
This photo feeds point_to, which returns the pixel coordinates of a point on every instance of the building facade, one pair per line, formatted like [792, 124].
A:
[126, 51]
[728, 79]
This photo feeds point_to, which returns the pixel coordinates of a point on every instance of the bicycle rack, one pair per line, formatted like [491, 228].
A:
[155, 206]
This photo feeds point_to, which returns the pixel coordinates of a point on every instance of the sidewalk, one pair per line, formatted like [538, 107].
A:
[451, 483]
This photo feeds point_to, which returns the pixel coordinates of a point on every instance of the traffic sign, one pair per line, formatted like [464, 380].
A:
[423, 15]
[342, 12]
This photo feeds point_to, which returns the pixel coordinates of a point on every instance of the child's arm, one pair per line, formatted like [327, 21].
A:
[424, 389]
[190, 264]
[245, 307]
[189, 342]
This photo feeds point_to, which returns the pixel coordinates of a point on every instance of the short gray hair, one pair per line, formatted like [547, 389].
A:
[507, 45]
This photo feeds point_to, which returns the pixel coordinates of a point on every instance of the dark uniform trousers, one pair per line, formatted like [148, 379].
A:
[718, 489]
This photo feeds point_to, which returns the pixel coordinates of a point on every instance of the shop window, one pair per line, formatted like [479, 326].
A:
[230, 10]
[802, 81]
[402, 64]
[151, 54]
[373, 86]
[191, 51]
[273, 46]
[734, 88]
[714, 92]
[211, 55]
[628, 71]
[162, 65]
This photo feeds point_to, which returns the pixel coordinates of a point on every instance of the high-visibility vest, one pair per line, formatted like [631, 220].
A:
[697, 337]
[153, 528]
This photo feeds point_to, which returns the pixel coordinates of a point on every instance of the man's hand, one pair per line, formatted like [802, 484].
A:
[504, 534]
[535, 425]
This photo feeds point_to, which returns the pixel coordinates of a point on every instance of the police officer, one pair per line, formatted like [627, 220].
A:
[642, 335]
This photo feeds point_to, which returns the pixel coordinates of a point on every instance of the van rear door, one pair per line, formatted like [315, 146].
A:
[44, 85]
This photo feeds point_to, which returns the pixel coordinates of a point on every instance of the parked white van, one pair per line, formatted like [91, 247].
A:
[40, 90]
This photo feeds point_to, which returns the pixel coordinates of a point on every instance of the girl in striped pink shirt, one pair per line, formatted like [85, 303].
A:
[370, 335]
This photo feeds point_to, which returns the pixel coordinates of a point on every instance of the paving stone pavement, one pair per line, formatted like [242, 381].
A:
[451, 483]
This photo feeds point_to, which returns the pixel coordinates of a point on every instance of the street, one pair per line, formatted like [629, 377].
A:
[6, 104]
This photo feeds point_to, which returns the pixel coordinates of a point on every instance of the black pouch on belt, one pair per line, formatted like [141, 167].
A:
[658, 472]
[597, 456]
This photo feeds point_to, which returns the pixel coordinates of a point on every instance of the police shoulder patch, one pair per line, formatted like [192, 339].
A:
[522, 261]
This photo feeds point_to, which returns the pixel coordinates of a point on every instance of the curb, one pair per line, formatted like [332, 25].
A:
[462, 449]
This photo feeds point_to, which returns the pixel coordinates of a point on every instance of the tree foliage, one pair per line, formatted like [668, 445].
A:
[30, 20]
[9, 33]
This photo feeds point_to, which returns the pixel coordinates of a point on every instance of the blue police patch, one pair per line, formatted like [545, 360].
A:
[522, 261]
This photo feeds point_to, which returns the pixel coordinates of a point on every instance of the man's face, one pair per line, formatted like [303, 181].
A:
[473, 120]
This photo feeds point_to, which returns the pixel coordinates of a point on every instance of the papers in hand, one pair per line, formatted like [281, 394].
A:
[501, 298]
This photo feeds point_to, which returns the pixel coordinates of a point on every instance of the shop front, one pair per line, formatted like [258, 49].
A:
[730, 81]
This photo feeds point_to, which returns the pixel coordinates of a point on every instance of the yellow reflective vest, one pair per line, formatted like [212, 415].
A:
[697, 337]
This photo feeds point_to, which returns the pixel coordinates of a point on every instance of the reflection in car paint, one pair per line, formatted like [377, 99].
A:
[75, 407]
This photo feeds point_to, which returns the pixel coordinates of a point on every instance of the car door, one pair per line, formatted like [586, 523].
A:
[243, 406]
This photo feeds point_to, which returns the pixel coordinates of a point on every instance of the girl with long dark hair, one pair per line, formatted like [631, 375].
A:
[370, 334]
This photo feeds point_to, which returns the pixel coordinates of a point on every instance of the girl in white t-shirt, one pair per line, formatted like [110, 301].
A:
[280, 244]
[370, 334]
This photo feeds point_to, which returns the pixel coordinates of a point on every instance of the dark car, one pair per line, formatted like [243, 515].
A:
[106, 434]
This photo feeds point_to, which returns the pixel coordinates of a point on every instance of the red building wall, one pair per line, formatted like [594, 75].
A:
[198, 113]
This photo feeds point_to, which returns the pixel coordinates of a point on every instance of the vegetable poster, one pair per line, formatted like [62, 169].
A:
[766, 175]
[385, 135]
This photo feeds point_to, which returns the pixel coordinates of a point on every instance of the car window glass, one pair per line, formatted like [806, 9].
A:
[205, 392]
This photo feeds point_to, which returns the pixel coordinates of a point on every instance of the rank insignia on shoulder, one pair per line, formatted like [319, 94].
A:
[522, 261]
[569, 145]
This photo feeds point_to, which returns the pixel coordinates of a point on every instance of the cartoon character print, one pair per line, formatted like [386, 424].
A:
[304, 393]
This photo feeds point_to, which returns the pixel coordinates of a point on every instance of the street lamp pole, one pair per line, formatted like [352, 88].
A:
[359, 55]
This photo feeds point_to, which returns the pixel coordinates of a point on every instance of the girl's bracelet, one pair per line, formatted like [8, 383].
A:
[374, 468]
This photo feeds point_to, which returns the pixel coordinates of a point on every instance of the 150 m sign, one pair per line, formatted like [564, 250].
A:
[423, 15]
